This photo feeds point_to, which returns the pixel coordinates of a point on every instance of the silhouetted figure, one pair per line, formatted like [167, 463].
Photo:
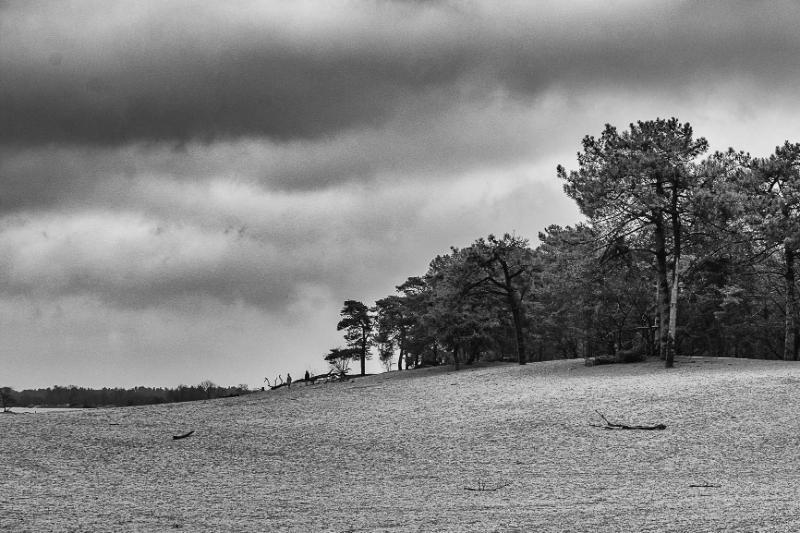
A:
[288, 381]
[308, 377]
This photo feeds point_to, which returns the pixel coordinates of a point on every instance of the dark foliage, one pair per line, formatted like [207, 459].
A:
[677, 256]
[73, 396]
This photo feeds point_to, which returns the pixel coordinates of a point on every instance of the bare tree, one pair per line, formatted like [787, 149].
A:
[208, 387]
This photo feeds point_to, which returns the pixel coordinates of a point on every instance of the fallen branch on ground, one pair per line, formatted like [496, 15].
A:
[176, 437]
[705, 486]
[322, 377]
[483, 487]
[611, 425]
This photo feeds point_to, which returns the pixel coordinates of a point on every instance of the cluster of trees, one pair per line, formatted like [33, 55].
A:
[73, 396]
[678, 254]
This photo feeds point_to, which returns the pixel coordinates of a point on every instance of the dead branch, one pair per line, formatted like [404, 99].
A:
[612, 425]
[275, 383]
[321, 377]
[483, 487]
[705, 486]
[176, 437]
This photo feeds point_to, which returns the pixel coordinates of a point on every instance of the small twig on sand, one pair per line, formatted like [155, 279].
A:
[482, 487]
[611, 425]
[176, 437]
[705, 486]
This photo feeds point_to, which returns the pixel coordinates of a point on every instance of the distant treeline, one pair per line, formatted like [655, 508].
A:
[72, 396]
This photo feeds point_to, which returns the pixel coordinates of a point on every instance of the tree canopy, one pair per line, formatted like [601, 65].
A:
[357, 323]
[639, 184]
[677, 255]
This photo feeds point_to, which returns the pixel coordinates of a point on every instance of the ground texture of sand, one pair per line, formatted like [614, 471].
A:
[401, 451]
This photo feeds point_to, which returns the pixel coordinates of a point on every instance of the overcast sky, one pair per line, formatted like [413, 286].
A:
[190, 190]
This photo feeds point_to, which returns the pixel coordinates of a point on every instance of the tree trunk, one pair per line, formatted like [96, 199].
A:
[790, 324]
[519, 336]
[402, 350]
[673, 296]
[363, 354]
[657, 323]
[673, 315]
[663, 293]
[515, 305]
[471, 354]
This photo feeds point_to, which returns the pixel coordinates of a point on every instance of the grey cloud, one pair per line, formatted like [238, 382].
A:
[666, 47]
[417, 147]
[112, 72]
[423, 106]
[180, 71]
[237, 243]
[234, 244]
[132, 261]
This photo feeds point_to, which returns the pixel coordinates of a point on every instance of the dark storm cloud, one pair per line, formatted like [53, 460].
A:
[416, 147]
[319, 113]
[100, 73]
[112, 72]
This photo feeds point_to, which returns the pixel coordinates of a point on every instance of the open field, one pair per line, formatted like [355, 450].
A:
[398, 452]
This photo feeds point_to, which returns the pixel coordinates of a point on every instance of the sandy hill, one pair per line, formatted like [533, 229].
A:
[495, 448]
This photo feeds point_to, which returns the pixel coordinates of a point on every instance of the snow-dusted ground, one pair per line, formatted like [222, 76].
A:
[398, 452]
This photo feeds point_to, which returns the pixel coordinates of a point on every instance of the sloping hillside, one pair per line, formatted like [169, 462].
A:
[500, 448]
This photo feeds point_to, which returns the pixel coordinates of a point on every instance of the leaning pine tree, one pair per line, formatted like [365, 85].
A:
[640, 183]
